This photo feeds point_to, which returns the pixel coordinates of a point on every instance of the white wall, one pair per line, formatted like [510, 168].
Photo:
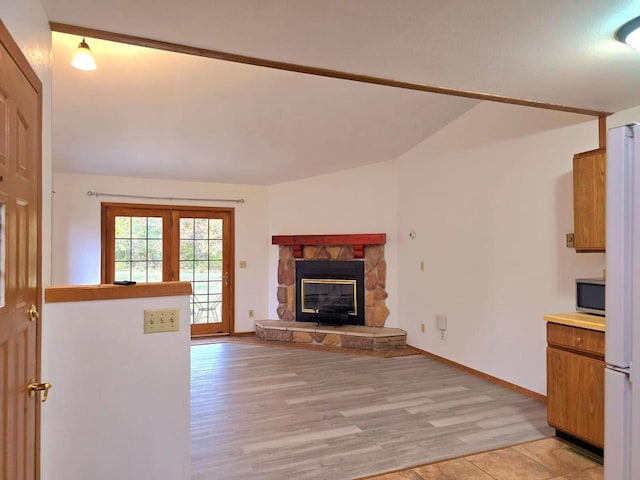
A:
[120, 403]
[359, 200]
[624, 117]
[490, 197]
[76, 230]
[29, 27]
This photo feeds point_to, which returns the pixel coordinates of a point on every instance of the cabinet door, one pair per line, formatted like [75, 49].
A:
[575, 395]
[589, 180]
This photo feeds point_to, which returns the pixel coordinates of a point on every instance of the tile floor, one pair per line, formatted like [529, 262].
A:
[547, 459]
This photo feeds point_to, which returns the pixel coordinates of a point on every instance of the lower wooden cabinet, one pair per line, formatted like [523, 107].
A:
[575, 382]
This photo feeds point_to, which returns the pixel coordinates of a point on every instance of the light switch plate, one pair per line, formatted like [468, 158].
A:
[161, 320]
[570, 240]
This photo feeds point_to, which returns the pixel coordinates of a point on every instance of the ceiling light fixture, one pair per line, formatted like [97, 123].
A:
[629, 33]
[83, 59]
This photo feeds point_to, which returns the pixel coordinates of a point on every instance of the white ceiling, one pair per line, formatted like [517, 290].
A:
[157, 114]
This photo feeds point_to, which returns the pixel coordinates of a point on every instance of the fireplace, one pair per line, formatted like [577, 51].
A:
[330, 292]
[362, 251]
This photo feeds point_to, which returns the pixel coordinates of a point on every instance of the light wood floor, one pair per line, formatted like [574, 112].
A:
[265, 413]
[545, 459]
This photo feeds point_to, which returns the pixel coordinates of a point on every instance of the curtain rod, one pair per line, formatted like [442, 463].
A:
[147, 197]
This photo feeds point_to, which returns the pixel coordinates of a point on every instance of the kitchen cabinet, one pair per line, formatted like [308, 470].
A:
[589, 180]
[575, 382]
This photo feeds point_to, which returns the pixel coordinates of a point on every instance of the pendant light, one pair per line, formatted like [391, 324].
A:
[629, 33]
[83, 59]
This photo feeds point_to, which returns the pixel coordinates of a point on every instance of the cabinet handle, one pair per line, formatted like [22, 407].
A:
[579, 339]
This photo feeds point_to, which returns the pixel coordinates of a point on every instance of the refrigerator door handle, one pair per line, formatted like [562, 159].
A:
[624, 371]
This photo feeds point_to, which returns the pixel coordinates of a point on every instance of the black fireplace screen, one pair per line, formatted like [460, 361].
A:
[329, 296]
[330, 291]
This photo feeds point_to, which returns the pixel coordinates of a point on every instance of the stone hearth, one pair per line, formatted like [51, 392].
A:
[347, 336]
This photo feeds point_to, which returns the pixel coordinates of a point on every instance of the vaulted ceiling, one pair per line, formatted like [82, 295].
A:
[158, 114]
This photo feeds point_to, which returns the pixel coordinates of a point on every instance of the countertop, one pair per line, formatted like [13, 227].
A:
[576, 319]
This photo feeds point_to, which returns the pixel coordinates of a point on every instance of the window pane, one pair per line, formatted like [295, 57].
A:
[123, 271]
[186, 271]
[138, 250]
[138, 227]
[201, 228]
[201, 249]
[215, 287]
[207, 308]
[186, 249]
[154, 249]
[200, 288]
[123, 250]
[186, 228]
[154, 272]
[123, 227]
[139, 271]
[155, 227]
[215, 269]
[215, 228]
[201, 270]
[215, 249]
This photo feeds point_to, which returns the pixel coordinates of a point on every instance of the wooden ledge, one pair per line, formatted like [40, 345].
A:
[357, 240]
[81, 293]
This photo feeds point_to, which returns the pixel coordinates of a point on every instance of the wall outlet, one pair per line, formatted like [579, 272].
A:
[251, 313]
[243, 264]
[570, 240]
[162, 320]
[422, 327]
[441, 322]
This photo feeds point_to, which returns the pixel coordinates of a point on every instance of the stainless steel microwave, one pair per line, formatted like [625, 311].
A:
[590, 295]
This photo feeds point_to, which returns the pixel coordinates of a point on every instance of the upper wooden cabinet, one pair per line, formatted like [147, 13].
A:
[589, 202]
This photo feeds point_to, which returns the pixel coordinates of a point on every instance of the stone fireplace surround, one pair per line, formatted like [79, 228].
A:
[371, 336]
[369, 247]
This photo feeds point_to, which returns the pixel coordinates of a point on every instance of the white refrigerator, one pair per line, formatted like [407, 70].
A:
[622, 348]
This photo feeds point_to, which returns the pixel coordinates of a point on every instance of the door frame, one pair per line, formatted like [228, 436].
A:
[31, 76]
[228, 261]
[173, 274]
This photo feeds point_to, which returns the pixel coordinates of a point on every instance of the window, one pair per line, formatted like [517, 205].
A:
[138, 249]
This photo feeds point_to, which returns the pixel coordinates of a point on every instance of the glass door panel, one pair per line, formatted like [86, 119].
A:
[138, 249]
[201, 262]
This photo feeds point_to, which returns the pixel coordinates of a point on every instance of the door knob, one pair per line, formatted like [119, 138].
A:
[34, 387]
[33, 313]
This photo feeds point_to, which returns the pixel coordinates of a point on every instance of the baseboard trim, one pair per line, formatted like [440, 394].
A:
[478, 373]
[243, 334]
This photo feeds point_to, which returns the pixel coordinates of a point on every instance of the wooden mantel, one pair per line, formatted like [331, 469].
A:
[357, 240]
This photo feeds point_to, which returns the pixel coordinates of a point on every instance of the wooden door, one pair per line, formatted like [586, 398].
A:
[203, 255]
[20, 291]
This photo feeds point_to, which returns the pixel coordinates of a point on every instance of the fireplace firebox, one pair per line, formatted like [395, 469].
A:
[330, 292]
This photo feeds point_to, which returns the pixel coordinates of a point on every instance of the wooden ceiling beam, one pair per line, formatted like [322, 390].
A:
[309, 70]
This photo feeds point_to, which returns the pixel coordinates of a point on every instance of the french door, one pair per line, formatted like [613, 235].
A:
[156, 243]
